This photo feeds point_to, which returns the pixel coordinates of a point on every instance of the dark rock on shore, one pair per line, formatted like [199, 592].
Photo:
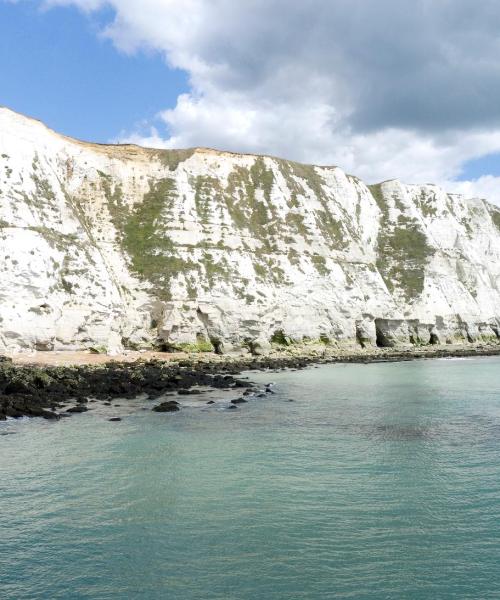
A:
[115, 419]
[238, 401]
[170, 406]
[39, 391]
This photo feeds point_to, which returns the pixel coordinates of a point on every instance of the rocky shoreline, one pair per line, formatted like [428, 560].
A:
[51, 392]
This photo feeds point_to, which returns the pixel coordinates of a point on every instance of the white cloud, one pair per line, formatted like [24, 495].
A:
[383, 89]
[487, 187]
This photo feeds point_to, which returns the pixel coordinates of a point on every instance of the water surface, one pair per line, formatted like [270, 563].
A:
[379, 481]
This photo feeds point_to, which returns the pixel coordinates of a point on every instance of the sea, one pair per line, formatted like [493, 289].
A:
[358, 481]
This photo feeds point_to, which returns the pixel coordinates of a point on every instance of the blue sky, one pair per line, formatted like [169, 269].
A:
[477, 167]
[322, 81]
[56, 67]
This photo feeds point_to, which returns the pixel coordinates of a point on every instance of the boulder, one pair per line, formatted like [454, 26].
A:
[170, 406]
[77, 409]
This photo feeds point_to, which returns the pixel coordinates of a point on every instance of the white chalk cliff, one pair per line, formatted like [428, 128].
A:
[121, 246]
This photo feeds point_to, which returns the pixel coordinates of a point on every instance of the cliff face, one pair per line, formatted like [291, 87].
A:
[111, 246]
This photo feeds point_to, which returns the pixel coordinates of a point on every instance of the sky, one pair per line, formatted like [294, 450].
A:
[406, 89]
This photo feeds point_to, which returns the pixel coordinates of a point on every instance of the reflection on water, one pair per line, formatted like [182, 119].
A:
[405, 433]
[378, 481]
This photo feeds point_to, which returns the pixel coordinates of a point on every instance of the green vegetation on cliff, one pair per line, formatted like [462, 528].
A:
[173, 158]
[402, 250]
[247, 210]
[144, 235]
[495, 216]
[145, 229]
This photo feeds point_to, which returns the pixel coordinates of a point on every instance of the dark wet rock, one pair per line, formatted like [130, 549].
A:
[241, 384]
[269, 391]
[11, 411]
[114, 419]
[232, 406]
[210, 402]
[238, 401]
[25, 390]
[17, 387]
[170, 406]
[188, 392]
[47, 414]
[77, 409]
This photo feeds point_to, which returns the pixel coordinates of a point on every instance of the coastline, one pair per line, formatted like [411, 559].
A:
[58, 384]
[291, 354]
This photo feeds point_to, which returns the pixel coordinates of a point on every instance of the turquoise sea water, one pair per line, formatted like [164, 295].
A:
[379, 481]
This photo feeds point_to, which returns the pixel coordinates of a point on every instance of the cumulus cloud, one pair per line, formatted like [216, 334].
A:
[487, 186]
[393, 88]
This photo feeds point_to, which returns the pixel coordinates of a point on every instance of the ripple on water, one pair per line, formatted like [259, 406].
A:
[378, 481]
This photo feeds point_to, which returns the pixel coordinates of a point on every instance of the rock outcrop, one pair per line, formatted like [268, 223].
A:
[108, 247]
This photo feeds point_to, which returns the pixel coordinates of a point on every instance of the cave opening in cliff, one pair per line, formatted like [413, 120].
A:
[381, 339]
[218, 345]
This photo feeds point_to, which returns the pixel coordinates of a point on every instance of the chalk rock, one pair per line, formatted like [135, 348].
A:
[112, 247]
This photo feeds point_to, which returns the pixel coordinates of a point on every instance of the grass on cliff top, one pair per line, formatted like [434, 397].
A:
[173, 158]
